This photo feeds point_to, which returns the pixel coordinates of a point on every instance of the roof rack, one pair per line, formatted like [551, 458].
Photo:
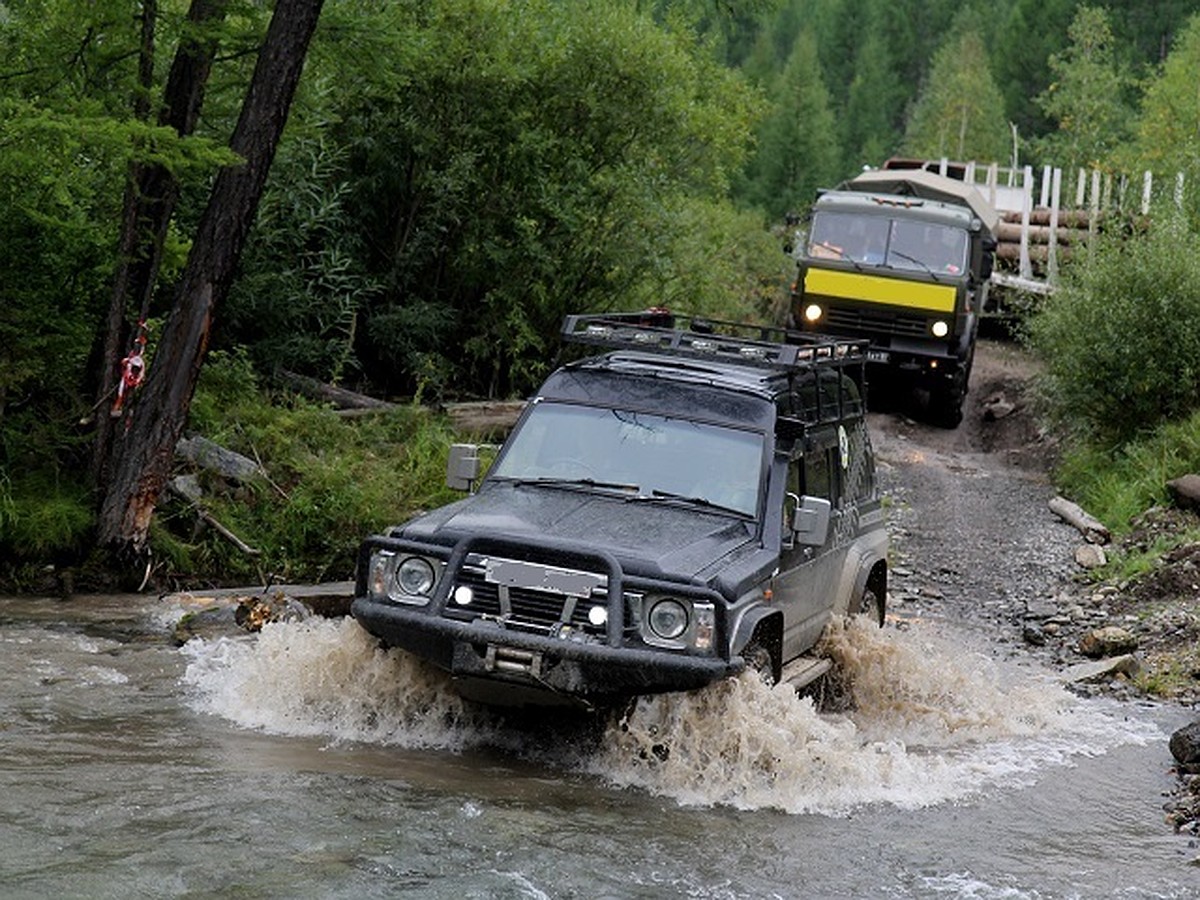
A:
[763, 346]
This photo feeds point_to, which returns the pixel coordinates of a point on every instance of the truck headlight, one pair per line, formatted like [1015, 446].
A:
[813, 312]
[940, 328]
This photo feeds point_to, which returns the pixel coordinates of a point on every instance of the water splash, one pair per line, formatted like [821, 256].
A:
[324, 677]
[927, 721]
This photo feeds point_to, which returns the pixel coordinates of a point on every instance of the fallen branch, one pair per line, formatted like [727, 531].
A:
[227, 534]
[340, 398]
[1092, 528]
[209, 519]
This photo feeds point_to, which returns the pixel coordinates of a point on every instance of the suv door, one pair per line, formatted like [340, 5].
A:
[805, 584]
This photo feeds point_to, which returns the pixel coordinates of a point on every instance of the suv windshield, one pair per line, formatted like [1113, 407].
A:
[638, 452]
[898, 243]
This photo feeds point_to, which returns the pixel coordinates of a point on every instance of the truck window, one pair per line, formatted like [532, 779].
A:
[852, 237]
[926, 247]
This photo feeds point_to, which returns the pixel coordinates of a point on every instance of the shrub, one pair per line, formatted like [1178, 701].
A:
[1121, 337]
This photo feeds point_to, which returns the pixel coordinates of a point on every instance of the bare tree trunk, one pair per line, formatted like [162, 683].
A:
[139, 474]
[150, 197]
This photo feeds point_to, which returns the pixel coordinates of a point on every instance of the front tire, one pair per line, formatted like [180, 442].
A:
[871, 606]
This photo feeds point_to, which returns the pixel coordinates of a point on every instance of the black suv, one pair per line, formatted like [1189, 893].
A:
[699, 500]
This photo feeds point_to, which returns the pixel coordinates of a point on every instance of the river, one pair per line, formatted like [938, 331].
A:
[305, 762]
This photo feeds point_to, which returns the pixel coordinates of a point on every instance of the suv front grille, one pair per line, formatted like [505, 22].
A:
[529, 609]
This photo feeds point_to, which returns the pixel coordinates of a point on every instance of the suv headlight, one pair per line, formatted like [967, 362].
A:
[404, 578]
[668, 619]
[675, 623]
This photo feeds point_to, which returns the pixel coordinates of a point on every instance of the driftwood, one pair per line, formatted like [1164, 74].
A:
[1092, 528]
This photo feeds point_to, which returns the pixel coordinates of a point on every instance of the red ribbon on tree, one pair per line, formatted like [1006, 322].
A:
[133, 370]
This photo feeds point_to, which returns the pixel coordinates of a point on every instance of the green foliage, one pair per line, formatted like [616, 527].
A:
[1121, 337]
[42, 516]
[331, 480]
[797, 142]
[297, 306]
[955, 114]
[529, 168]
[1086, 97]
[1168, 127]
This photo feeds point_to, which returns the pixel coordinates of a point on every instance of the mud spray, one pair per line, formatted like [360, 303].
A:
[925, 721]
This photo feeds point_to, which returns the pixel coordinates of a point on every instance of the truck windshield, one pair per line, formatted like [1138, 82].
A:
[637, 451]
[892, 242]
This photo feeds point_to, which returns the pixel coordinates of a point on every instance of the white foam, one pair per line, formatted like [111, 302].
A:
[329, 678]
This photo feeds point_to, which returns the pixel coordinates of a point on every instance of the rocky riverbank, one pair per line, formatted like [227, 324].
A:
[975, 542]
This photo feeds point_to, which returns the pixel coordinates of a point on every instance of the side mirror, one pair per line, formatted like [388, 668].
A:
[462, 467]
[811, 522]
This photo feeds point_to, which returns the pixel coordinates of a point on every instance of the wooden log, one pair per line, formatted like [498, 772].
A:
[339, 397]
[485, 417]
[1009, 232]
[206, 454]
[1090, 527]
[178, 489]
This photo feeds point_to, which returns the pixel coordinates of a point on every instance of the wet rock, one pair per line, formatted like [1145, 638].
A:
[1041, 608]
[997, 407]
[1085, 673]
[233, 616]
[1185, 747]
[1090, 556]
[1111, 640]
[1185, 491]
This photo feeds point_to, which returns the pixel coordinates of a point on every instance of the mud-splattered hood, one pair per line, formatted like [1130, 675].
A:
[648, 536]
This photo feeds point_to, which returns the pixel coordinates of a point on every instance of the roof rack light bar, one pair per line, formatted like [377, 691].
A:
[659, 331]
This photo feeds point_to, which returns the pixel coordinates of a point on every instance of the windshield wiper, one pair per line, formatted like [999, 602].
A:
[924, 265]
[656, 494]
[554, 481]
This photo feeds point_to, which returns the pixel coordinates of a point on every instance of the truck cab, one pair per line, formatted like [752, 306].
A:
[902, 259]
[699, 500]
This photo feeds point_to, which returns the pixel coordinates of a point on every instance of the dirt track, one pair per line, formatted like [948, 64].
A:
[973, 539]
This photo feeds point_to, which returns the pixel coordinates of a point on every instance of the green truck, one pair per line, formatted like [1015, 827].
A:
[901, 258]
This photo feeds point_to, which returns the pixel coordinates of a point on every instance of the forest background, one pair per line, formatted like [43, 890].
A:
[457, 175]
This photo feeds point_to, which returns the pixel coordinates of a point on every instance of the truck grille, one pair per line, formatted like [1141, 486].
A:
[860, 320]
[525, 608]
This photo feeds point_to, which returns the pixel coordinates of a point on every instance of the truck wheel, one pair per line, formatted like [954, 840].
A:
[946, 402]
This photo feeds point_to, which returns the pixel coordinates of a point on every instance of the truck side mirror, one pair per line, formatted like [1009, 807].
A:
[811, 522]
[989, 256]
[462, 467]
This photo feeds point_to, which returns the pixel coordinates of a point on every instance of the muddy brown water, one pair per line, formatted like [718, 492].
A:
[306, 762]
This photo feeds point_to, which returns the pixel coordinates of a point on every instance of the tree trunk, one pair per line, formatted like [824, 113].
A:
[139, 473]
[150, 197]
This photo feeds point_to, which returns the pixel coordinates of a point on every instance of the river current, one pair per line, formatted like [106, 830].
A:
[306, 762]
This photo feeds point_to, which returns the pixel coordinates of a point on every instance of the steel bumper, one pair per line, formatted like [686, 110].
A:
[592, 673]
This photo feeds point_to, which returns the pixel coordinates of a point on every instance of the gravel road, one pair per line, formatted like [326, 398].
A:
[974, 541]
